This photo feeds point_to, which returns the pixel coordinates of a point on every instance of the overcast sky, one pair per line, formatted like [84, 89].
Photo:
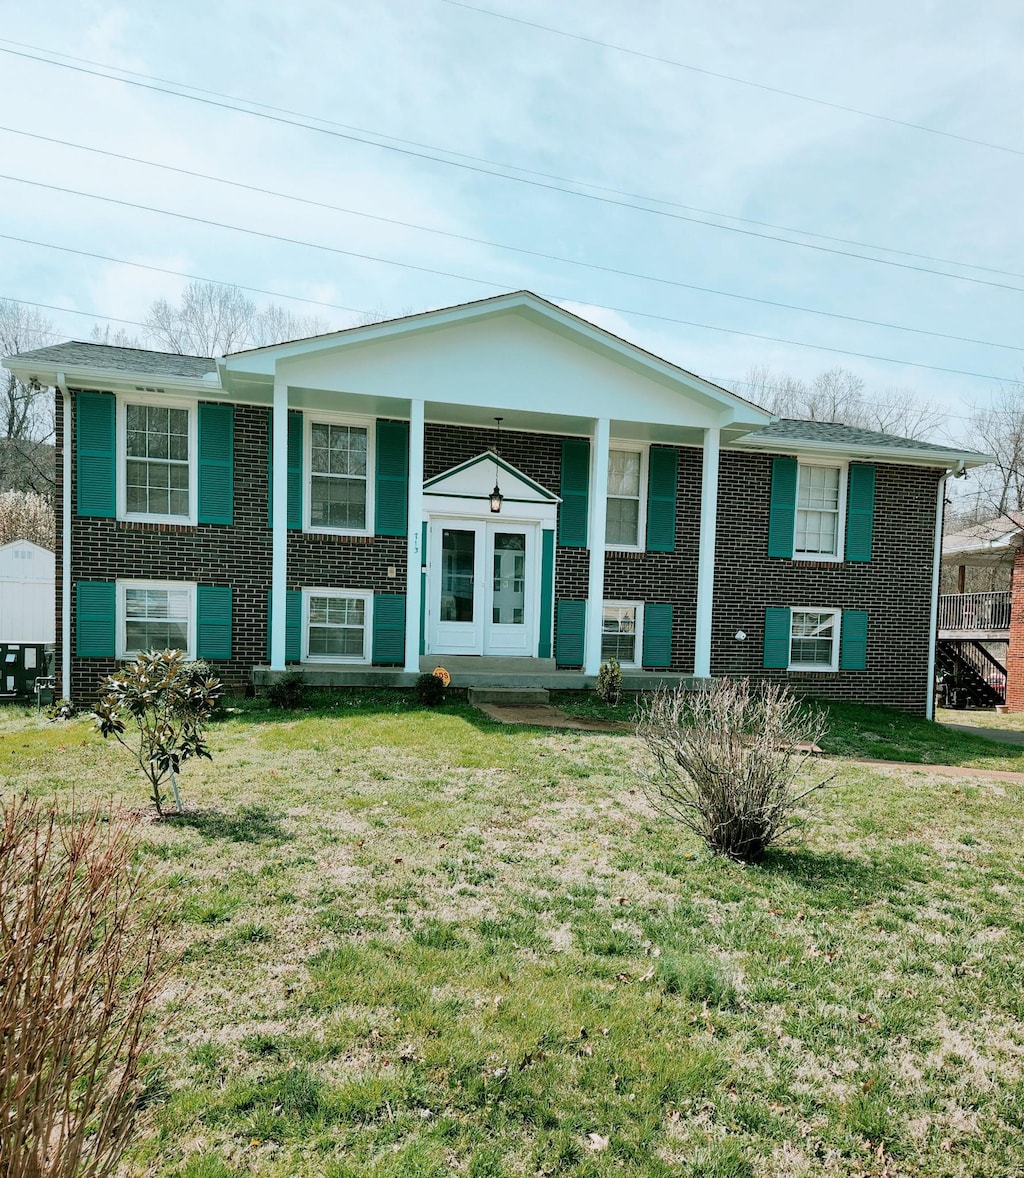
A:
[523, 100]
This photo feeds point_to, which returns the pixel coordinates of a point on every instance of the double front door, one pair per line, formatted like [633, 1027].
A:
[482, 588]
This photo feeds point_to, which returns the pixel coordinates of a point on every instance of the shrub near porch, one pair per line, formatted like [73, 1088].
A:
[418, 943]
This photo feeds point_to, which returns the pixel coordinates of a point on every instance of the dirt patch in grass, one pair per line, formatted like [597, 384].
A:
[421, 943]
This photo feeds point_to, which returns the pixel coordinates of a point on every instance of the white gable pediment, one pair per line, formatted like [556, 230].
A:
[475, 478]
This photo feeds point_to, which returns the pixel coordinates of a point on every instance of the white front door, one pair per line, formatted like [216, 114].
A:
[483, 580]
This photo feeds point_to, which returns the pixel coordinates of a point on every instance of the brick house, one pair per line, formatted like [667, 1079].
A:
[499, 486]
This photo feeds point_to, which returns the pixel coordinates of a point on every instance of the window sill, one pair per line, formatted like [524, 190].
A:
[156, 525]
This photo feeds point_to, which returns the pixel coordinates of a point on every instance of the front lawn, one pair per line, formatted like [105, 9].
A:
[422, 943]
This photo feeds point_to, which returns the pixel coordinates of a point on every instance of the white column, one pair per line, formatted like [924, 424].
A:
[595, 541]
[279, 492]
[416, 558]
[706, 552]
[65, 543]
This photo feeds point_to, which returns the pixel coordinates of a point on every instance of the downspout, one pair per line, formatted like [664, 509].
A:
[65, 542]
[933, 632]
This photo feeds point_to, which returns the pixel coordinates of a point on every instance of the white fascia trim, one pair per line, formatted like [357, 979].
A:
[481, 308]
[897, 455]
[116, 378]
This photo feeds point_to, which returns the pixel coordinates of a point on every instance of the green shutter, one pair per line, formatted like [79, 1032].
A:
[547, 592]
[860, 512]
[295, 444]
[95, 619]
[782, 519]
[776, 638]
[575, 492]
[213, 621]
[216, 464]
[570, 633]
[853, 652]
[657, 634]
[391, 502]
[389, 629]
[292, 625]
[97, 456]
[662, 478]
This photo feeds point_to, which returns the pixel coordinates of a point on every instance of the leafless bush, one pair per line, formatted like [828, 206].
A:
[729, 762]
[81, 964]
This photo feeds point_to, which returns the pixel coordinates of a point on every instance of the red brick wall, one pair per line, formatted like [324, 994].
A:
[1015, 649]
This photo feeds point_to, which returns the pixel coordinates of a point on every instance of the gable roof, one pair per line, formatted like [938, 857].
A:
[524, 301]
[790, 434]
[108, 358]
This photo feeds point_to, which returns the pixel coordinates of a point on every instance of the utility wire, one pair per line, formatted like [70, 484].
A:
[551, 187]
[725, 382]
[70, 311]
[487, 282]
[621, 273]
[682, 65]
[519, 168]
[274, 294]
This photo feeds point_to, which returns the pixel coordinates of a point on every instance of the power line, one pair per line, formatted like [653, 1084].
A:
[487, 282]
[70, 311]
[618, 272]
[518, 167]
[551, 187]
[502, 286]
[274, 294]
[682, 65]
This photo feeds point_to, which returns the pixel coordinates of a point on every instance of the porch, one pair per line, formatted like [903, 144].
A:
[975, 616]
[973, 637]
[471, 671]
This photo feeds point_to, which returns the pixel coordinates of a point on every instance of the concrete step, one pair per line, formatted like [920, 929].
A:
[509, 696]
[474, 664]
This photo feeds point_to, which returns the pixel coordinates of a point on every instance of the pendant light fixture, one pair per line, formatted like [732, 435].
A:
[496, 495]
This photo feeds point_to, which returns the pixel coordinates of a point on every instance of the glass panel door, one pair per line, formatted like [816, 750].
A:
[458, 566]
[508, 597]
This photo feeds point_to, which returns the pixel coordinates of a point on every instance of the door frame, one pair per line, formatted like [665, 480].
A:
[478, 643]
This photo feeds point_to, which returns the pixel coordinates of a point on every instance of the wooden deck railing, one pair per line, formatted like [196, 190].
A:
[974, 611]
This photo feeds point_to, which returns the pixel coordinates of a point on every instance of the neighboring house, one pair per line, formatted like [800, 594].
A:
[981, 634]
[328, 503]
[26, 594]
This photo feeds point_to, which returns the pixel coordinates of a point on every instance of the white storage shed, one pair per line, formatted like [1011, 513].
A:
[27, 599]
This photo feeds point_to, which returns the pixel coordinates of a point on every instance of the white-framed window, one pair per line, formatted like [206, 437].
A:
[339, 484]
[157, 447]
[622, 624]
[626, 510]
[820, 511]
[336, 625]
[155, 615]
[814, 639]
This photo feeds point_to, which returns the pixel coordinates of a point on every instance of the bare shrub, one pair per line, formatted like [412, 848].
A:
[729, 762]
[81, 965]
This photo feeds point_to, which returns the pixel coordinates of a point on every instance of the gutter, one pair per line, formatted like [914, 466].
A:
[65, 541]
[933, 632]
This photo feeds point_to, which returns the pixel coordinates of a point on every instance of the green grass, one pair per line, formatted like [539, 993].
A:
[862, 732]
[421, 943]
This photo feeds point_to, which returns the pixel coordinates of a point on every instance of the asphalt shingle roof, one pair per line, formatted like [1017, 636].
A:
[791, 429]
[78, 354]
